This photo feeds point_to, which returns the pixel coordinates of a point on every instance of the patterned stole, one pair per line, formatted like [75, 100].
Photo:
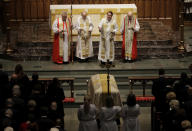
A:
[106, 35]
[61, 26]
[129, 34]
[85, 35]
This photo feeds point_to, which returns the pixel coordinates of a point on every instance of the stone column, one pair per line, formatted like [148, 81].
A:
[181, 25]
[175, 15]
[6, 15]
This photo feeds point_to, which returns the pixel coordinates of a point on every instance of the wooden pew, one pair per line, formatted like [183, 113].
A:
[145, 79]
[69, 80]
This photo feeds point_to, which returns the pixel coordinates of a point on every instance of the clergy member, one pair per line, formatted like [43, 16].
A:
[107, 28]
[61, 47]
[84, 48]
[129, 27]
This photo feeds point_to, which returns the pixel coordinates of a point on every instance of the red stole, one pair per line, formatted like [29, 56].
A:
[134, 46]
[55, 57]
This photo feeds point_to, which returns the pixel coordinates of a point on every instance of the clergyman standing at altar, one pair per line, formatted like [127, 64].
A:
[107, 28]
[84, 48]
[61, 46]
[129, 27]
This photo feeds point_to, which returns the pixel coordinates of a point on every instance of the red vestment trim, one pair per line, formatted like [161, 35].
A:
[55, 57]
[134, 46]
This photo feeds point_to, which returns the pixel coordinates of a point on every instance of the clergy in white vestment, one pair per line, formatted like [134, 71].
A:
[84, 48]
[61, 48]
[129, 27]
[107, 27]
[108, 116]
[87, 116]
[130, 113]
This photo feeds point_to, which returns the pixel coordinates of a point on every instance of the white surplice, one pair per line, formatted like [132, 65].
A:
[85, 25]
[106, 46]
[65, 45]
[108, 117]
[130, 118]
[87, 121]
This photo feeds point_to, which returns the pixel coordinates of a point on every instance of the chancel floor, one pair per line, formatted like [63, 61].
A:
[72, 123]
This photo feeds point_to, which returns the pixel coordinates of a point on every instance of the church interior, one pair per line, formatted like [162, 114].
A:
[164, 42]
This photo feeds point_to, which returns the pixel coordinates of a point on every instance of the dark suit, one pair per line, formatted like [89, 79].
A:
[158, 90]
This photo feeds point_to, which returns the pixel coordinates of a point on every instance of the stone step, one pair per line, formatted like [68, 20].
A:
[31, 58]
[117, 48]
[121, 85]
[95, 44]
[85, 74]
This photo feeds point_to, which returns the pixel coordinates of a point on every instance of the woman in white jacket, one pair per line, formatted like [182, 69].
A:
[108, 116]
[130, 113]
[87, 116]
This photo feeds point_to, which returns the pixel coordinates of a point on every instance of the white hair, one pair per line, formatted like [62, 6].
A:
[54, 129]
[8, 129]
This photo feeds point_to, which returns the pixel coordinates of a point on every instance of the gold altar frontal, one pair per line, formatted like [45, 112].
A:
[98, 90]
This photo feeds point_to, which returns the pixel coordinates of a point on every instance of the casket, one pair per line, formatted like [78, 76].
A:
[98, 90]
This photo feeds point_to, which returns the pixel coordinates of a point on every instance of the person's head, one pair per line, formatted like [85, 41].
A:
[131, 100]
[189, 91]
[9, 103]
[64, 15]
[109, 102]
[16, 90]
[8, 113]
[35, 76]
[130, 15]
[31, 104]
[186, 124]
[18, 69]
[170, 96]
[53, 105]
[161, 72]
[87, 101]
[58, 122]
[8, 128]
[84, 14]
[174, 104]
[109, 15]
[54, 129]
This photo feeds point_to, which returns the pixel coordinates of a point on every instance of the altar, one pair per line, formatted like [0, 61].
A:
[96, 12]
[98, 90]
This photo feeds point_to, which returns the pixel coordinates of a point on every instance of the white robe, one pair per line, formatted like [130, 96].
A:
[136, 29]
[65, 42]
[87, 121]
[130, 118]
[89, 41]
[108, 117]
[109, 45]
